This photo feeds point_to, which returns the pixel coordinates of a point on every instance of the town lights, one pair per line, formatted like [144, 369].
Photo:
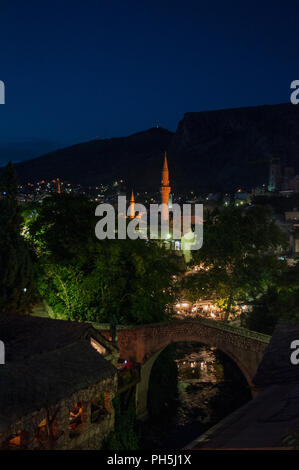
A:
[185, 304]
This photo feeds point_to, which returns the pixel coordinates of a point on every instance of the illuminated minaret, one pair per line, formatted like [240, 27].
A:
[58, 186]
[132, 206]
[165, 189]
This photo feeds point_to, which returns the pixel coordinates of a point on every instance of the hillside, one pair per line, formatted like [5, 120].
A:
[230, 148]
[136, 156]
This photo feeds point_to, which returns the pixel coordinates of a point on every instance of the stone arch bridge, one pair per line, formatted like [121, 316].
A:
[143, 344]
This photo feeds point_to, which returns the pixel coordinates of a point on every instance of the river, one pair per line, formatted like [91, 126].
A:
[192, 387]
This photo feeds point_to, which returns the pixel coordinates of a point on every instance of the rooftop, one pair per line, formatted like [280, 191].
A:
[276, 366]
[271, 420]
[267, 422]
[25, 336]
[46, 361]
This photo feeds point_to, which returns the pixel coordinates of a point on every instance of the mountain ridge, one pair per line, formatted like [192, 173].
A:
[210, 150]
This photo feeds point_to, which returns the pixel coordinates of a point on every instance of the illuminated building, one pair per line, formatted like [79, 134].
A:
[165, 190]
[132, 206]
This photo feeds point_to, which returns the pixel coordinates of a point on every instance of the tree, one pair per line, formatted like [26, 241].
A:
[62, 227]
[163, 386]
[239, 257]
[124, 435]
[84, 278]
[280, 302]
[17, 287]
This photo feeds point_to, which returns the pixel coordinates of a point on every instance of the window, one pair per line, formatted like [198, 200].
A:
[46, 433]
[77, 419]
[100, 408]
[97, 346]
[15, 441]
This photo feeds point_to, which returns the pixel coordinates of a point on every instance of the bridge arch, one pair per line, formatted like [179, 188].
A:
[143, 344]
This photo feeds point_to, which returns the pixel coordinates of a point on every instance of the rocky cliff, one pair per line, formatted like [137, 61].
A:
[210, 150]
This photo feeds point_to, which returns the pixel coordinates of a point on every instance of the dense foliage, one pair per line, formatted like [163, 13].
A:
[239, 258]
[163, 385]
[124, 436]
[84, 278]
[280, 302]
[17, 287]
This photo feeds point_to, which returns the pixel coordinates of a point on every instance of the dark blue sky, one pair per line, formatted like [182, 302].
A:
[80, 69]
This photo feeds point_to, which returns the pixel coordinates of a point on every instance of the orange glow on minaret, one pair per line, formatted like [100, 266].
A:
[165, 189]
[132, 206]
[58, 186]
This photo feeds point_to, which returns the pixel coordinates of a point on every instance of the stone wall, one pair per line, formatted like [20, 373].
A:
[92, 435]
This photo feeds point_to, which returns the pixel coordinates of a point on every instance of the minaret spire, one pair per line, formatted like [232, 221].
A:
[132, 206]
[165, 172]
[165, 189]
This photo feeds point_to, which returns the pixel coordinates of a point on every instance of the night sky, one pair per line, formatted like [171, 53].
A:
[82, 69]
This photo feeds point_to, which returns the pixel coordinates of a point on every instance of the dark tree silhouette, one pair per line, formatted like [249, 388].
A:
[16, 268]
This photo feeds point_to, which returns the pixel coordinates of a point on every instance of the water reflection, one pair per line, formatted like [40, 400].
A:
[199, 373]
[207, 387]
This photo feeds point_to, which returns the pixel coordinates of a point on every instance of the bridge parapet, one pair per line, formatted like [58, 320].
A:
[237, 330]
[139, 342]
[144, 343]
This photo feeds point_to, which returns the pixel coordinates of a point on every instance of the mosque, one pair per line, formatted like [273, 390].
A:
[166, 197]
[183, 244]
